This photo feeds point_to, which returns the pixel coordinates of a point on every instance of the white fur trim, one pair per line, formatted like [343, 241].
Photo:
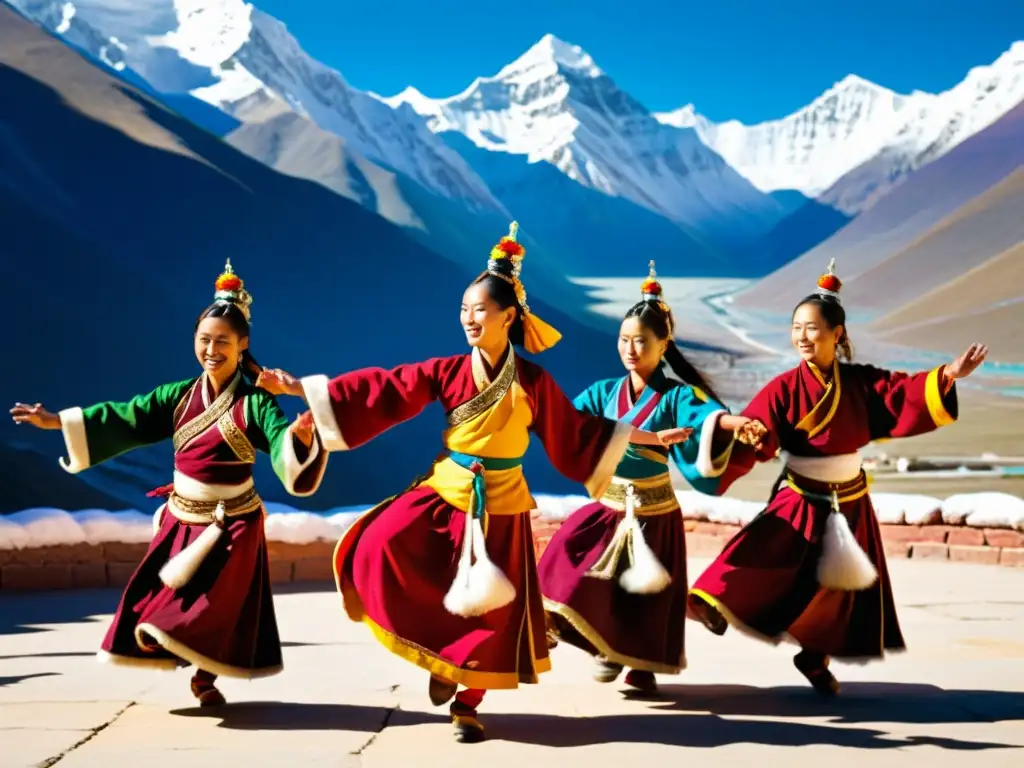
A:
[706, 464]
[293, 468]
[825, 469]
[196, 490]
[116, 659]
[148, 631]
[602, 475]
[319, 400]
[72, 425]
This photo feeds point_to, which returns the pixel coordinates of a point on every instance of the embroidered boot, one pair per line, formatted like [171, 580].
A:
[203, 688]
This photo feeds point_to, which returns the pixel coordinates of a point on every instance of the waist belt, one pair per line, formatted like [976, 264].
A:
[192, 512]
[652, 495]
[478, 465]
[832, 493]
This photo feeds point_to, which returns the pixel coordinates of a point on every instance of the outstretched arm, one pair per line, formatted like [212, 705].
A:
[102, 431]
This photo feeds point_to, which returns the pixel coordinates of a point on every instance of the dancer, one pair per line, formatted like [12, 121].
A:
[635, 616]
[444, 573]
[811, 568]
[201, 594]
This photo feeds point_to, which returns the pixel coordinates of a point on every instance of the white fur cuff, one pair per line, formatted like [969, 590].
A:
[706, 464]
[72, 424]
[319, 400]
[293, 468]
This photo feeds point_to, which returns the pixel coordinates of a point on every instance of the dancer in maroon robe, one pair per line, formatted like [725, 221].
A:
[811, 567]
[201, 595]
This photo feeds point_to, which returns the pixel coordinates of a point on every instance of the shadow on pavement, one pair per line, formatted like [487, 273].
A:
[18, 678]
[20, 610]
[880, 702]
[682, 730]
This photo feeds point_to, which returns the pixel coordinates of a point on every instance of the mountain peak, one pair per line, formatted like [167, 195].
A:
[550, 53]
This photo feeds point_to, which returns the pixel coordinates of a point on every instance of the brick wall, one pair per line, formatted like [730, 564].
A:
[110, 565]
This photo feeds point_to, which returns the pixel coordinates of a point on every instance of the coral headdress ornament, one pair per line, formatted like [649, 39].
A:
[652, 292]
[231, 290]
[538, 334]
[829, 285]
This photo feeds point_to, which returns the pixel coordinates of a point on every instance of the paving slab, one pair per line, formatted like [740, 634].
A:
[956, 696]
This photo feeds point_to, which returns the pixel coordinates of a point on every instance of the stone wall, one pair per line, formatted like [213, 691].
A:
[78, 566]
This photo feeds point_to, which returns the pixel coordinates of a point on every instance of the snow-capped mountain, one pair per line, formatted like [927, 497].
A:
[554, 104]
[225, 51]
[860, 128]
[63, 19]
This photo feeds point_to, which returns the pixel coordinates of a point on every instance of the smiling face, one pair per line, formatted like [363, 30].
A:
[640, 349]
[218, 347]
[814, 340]
[485, 324]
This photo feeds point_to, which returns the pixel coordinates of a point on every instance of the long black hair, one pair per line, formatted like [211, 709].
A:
[499, 288]
[834, 316]
[656, 317]
[232, 315]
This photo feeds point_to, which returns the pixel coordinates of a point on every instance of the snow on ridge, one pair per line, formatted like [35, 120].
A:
[44, 526]
[209, 32]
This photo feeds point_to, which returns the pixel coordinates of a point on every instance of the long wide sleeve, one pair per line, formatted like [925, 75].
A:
[300, 469]
[353, 408]
[907, 404]
[584, 447]
[102, 431]
[703, 458]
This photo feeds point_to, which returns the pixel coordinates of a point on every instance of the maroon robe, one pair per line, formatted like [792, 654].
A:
[764, 581]
[396, 563]
[223, 620]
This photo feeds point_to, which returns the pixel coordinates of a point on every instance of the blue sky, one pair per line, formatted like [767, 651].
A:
[747, 59]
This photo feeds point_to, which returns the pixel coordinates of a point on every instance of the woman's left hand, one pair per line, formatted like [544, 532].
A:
[968, 362]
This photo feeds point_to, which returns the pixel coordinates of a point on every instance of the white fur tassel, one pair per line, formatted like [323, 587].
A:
[478, 587]
[843, 564]
[158, 518]
[645, 575]
[180, 569]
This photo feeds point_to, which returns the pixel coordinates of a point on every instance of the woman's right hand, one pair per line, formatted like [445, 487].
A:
[752, 433]
[35, 415]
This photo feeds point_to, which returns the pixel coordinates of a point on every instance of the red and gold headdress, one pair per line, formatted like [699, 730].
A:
[539, 335]
[829, 284]
[652, 292]
[230, 289]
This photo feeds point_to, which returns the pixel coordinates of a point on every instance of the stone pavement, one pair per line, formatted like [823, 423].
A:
[957, 697]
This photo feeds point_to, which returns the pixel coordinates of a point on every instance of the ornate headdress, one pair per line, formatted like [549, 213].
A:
[230, 289]
[539, 335]
[652, 293]
[829, 284]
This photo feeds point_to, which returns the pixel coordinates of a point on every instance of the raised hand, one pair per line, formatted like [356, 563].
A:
[303, 428]
[675, 435]
[278, 382]
[968, 362]
[35, 415]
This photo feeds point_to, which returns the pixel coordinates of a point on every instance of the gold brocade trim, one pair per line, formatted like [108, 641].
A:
[488, 396]
[193, 512]
[442, 668]
[834, 387]
[207, 418]
[650, 455]
[593, 637]
[654, 496]
[846, 491]
[933, 398]
[182, 406]
[236, 439]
